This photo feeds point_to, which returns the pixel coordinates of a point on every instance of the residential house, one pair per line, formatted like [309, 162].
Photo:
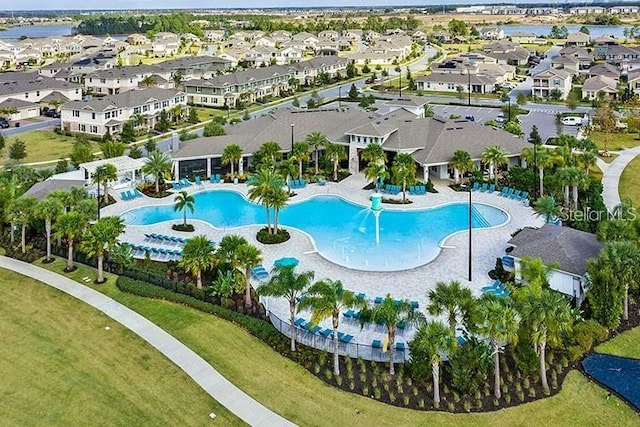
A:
[568, 249]
[138, 40]
[329, 35]
[281, 36]
[584, 57]
[587, 10]
[304, 40]
[214, 36]
[419, 36]
[260, 56]
[566, 62]
[545, 82]
[288, 55]
[578, 39]
[605, 69]
[354, 35]
[623, 10]
[492, 33]
[101, 115]
[594, 86]
[195, 67]
[22, 109]
[521, 37]
[621, 55]
[473, 73]
[165, 44]
[265, 41]
[602, 45]
[633, 80]
[384, 51]
[34, 88]
[121, 79]
[507, 52]
[234, 56]
[306, 72]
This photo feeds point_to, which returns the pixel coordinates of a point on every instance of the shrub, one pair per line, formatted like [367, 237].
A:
[266, 238]
[467, 406]
[507, 398]
[405, 400]
[184, 228]
[470, 366]
[451, 406]
[365, 390]
[589, 333]
[421, 403]
[376, 393]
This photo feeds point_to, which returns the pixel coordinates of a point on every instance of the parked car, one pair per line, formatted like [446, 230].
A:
[4, 123]
[470, 118]
[572, 121]
[52, 113]
[501, 118]
[370, 80]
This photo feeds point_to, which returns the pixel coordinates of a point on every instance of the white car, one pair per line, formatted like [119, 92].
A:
[572, 121]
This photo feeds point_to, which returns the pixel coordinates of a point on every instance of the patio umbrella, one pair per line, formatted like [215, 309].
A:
[286, 262]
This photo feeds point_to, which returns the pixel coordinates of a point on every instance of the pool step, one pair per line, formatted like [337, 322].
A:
[478, 218]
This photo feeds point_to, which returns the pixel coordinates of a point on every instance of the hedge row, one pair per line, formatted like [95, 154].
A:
[256, 327]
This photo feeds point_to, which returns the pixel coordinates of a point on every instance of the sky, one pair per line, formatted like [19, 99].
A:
[160, 4]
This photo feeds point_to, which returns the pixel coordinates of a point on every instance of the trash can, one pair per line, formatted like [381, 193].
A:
[17, 124]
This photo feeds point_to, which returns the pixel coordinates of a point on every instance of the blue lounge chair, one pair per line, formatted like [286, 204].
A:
[401, 325]
[400, 346]
[412, 189]
[138, 193]
[415, 305]
[345, 338]
[475, 186]
[361, 295]
[326, 333]
[218, 178]
[303, 183]
[498, 291]
[523, 196]
[123, 196]
[484, 187]
[299, 321]
[491, 189]
[349, 314]
[461, 340]
[516, 194]
[314, 329]
[509, 193]
[376, 344]
[130, 195]
[495, 285]
[504, 191]
[198, 180]
[377, 300]
[211, 178]
[423, 189]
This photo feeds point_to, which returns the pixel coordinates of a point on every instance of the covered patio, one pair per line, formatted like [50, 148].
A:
[128, 170]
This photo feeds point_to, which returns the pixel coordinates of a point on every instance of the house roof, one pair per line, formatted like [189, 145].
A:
[19, 83]
[40, 190]
[605, 69]
[567, 247]
[192, 61]
[18, 104]
[600, 83]
[551, 73]
[126, 72]
[128, 99]
[578, 37]
[55, 95]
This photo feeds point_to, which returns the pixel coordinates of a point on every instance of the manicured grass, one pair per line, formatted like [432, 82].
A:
[627, 344]
[44, 145]
[290, 390]
[206, 114]
[628, 185]
[611, 158]
[615, 141]
[61, 366]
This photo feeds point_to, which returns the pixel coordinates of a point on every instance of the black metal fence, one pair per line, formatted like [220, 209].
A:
[351, 349]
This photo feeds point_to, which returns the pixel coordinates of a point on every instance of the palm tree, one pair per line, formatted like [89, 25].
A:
[157, 164]
[20, 211]
[373, 153]
[148, 81]
[613, 230]
[498, 322]
[546, 207]
[536, 273]
[248, 256]
[461, 162]
[335, 153]
[434, 339]
[278, 199]
[548, 317]
[288, 168]
[260, 188]
[496, 157]
[404, 171]
[285, 283]
[70, 226]
[624, 257]
[453, 299]
[228, 249]
[100, 237]
[390, 313]
[177, 111]
[587, 158]
[269, 152]
[231, 155]
[327, 298]
[375, 172]
[103, 175]
[48, 209]
[544, 159]
[580, 179]
[184, 201]
[137, 120]
[565, 175]
[302, 153]
[197, 255]
[316, 139]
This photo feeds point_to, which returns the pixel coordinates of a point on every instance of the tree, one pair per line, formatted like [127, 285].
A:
[404, 171]
[150, 145]
[452, 299]
[48, 210]
[555, 94]
[103, 175]
[231, 155]
[111, 149]
[496, 157]
[335, 153]
[128, 133]
[373, 153]
[428, 110]
[435, 339]
[498, 321]
[285, 283]
[70, 226]
[261, 186]
[604, 120]
[135, 152]
[183, 202]
[604, 292]
[248, 256]
[268, 154]
[102, 236]
[163, 123]
[20, 211]
[147, 81]
[513, 127]
[624, 257]
[17, 150]
[461, 163]
[176, 113]
[193, 116]
[121, 254]
[546, 207]
[316, 139]
[302, 153]
[613, 230]
[213, 129]
[375, 172]
[521, 99]
[197, 256]
[288, 168]
[390, 314]
[457, 28]
[584, 29]
[326, 299]
[353, 92]
[159, 165]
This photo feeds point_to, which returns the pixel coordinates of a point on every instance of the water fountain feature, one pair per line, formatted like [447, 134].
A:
[376, 207]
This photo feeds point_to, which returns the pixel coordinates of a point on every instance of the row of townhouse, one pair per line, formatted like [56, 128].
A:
[599, 10]
[253, 84]
[98, 116]
[385, 50]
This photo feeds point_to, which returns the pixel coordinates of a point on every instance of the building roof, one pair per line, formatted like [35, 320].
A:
[122, 164]
[600, 83]
[567, 247]
[192, 61]
[18, 104]
[126, 72]
[55, 95]
[40, 190]
[128, 99]
[19, 83]
[605, 69]
[551, 73]
[578, 37]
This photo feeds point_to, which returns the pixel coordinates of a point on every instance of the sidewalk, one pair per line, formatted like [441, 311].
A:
[193, 365]
[611, 177]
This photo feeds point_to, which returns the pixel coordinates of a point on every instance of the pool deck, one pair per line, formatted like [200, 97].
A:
[450, 264]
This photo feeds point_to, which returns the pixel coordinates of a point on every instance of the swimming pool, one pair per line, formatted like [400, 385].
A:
[343, 232]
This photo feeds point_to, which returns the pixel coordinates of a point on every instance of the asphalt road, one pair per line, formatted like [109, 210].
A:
[29, 126]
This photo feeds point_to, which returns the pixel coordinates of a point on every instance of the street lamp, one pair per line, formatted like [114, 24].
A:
[469, 87]
[97, 175]
[468, 188]
[292, 126]
[339, 96]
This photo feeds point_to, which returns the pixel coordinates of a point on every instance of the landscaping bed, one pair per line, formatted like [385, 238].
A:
[267, 238]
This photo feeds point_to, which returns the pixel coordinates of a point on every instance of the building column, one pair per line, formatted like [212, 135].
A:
[354, 164]
[176, 170]
[241, 166]
[425, 173]
[208, 167]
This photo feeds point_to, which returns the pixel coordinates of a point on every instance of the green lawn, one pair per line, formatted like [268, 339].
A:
[627, 344]
[290, 390]
[628, 185]
[60, 366]
[615, 141]
[44, 145]
[206, 114]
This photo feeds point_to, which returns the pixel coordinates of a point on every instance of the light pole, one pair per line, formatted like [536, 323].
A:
[339, 96]
[468, 87]
[470, 216]
[97, 174]
[291, 153]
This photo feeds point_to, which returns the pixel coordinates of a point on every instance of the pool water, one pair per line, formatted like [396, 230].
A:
[343, 232]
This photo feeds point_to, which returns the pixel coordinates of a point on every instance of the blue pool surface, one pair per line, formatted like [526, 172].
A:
[343, 232]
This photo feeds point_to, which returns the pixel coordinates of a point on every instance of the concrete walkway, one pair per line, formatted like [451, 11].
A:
[193, 365]
[611, 177]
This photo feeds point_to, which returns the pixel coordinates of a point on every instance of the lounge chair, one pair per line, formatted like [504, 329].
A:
[313, 329]
[412, 190]
[130, 195]
[198, 180]
[361, 295]
[475, 186]
[504, 293]
[326, 333]
[218, 178]
[461, 340]
[423, 189]
[349, 314]
[491, 189]
[377, 300]
[401, 325]
[185, 182]
[498, 291]
[123, 196]
[303, 183]
[299, 321]
[399, 346]
[345, 338]
[523, 196]
[495, 285]
[138, 193]
[504, 191]
[484, 187]
[414, 304]
[376, 344]
[212, 178]
[516, 194]
[509, 193]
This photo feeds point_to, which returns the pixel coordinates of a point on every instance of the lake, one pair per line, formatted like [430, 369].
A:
[36, 31]
[544, 30]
